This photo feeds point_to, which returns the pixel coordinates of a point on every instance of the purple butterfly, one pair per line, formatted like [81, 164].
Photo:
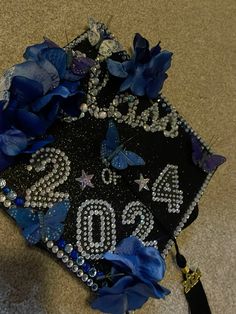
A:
[37, 225]
[202, 158]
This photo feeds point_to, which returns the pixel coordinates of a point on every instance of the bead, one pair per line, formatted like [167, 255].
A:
[80, 273]
[89, 282]
[74, 255]
[84, 107]
[102, 115]
[55, 249]
[7, 203]
[2, 183]
[68, 248]
[50, 244]
[92, 272]
[2, 198]
[94, 287]
[85, 277]
[29, 167]
[60, 254]
[6, 190]
[65, 259]
[19, 201]
[70, 263]
[80, 261]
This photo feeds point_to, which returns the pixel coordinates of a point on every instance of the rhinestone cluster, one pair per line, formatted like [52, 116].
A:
[109, 176]
[166, 189]
[76, 263]
[87, 211]
[146, 224]
[42, 194]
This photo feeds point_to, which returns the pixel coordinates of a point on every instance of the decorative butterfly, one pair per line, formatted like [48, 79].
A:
[114, 153]
[38, 226]
[98, 37]
[208, 162]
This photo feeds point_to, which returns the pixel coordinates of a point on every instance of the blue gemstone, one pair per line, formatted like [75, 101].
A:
[6, 190]
[19, 201]
[74, 255]
[86, 267]
[61, 243]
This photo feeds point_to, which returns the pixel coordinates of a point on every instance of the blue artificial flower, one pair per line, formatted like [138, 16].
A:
[145, 72]
[34, 93]
[136, 269]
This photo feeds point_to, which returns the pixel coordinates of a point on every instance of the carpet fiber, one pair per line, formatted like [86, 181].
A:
[201, 85]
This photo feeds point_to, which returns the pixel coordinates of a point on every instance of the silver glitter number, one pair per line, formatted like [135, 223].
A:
[166, 189]
[42, 193]
[105, 233]
[134, 210]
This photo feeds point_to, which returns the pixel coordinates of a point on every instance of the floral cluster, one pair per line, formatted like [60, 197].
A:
[136, 271]
[145, 72]
[31, 95]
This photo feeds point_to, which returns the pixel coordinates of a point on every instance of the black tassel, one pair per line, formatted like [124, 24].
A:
[193, 289]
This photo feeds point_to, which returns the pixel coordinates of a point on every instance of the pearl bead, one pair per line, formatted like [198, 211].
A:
[102, 114]
[84, 107]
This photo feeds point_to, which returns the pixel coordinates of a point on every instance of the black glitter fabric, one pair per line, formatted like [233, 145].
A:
[81, 142]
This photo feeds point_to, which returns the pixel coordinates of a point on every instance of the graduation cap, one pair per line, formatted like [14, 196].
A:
[99, 169]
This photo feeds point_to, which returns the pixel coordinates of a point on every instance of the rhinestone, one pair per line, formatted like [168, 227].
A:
[80, 261]
[55, 249]
[7, 203]
[60, 254]
[50, 244]
[2, 198]
[92, 272]
[70, 263]
[94, 287]
[80, 273]
[2, 183]
[85, 277]
[65, 259]
[75, 268]
[89, 282]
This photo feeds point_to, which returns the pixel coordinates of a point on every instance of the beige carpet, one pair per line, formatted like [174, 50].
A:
[201, 84]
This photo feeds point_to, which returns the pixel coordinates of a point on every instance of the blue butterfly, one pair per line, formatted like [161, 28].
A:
[38, 226]
[206, 161]
[114, 153]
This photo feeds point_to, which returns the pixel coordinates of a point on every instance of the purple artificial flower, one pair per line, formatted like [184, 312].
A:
[145, 72]
[136, 269]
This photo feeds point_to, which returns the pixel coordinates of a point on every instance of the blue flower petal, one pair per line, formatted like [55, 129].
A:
[32, 52]
[116, 68]
[154, 86]
[51, 70]
[141, 49]
[33, 71]
[61, 91]
[57, 57]
[160, 63]
[138, 83]
[30, 123]
[126, 84]
[155, 50]
[12, 142]
[113, 304]
[24, 91]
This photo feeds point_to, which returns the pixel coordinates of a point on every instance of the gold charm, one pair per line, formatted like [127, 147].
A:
[192, 278]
